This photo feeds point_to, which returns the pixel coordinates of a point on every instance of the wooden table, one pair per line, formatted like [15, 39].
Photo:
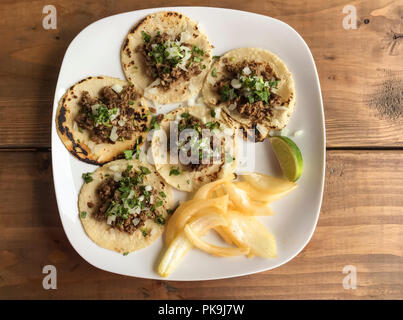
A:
[361, 222]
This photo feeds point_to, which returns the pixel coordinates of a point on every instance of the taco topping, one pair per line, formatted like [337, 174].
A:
[203, 146]
[126, 202]
[114, 116]
[250, 88]
[170, 59]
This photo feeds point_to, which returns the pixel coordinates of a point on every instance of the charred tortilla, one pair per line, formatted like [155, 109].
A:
[254, 88]
[100, 117]
[166, 56]
[208, 164]
[125, 206]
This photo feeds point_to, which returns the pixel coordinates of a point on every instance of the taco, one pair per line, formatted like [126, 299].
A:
[193, 147]
[100, 117]
[254, 88]
[124, 205]
[166, 56]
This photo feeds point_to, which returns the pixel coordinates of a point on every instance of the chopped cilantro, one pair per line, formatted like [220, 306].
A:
[159, 220]
[212, 125]
[154, 124]
[170, 211]
[197, 50]
[125, 253]
[214, 72]
[174, 171]
[145, 170]
[146, 36]
[212, 112]
[162, 194]
[144, 232]
[80, 130]
[216, 57]
[203, 66]
[87, 177]
[128, 154]
[83, 214]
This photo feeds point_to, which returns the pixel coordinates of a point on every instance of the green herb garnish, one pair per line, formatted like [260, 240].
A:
[146, 36]
[128, 154]
[159, 220]
[214, 72]
[83, 214]
[87, 177]
[174, 171]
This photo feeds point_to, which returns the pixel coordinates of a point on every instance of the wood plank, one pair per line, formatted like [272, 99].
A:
[361, 224]
[356, 67]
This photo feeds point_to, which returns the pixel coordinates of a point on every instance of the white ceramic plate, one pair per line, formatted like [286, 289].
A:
[96, 51]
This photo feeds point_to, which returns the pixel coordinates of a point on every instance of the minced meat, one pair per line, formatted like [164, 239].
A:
[164, 65]
[100, 115]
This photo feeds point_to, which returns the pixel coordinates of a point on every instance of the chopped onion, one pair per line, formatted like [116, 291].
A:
[117, 88]
[246, 70]
[148, 188]
[204, 120]
[136, 221]
[131, 194]
[110, 219]
[114, 136]
[151, 199]
[235, 83]
[121, 123]
[141, 198]
[117, 176]
[135, 210]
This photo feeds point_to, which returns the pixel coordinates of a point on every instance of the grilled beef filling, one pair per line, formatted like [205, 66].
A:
[203, 147]
[249, 87]
[170, 60]
[126, 203]
[113, 116]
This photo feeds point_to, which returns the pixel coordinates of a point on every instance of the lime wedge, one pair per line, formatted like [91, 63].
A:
[289, 156]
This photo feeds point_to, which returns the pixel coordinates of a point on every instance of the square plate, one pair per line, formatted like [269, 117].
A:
[96, 51]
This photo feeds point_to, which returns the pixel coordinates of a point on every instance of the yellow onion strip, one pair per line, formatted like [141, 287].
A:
[189, 208]
[181, 244]
[240, 200]
[212, 249]
[205, 191]
[247, 231]
[258, 195]
[268, 184]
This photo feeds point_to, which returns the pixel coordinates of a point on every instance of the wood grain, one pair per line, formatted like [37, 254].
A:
[361, 224]
[355, 66]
